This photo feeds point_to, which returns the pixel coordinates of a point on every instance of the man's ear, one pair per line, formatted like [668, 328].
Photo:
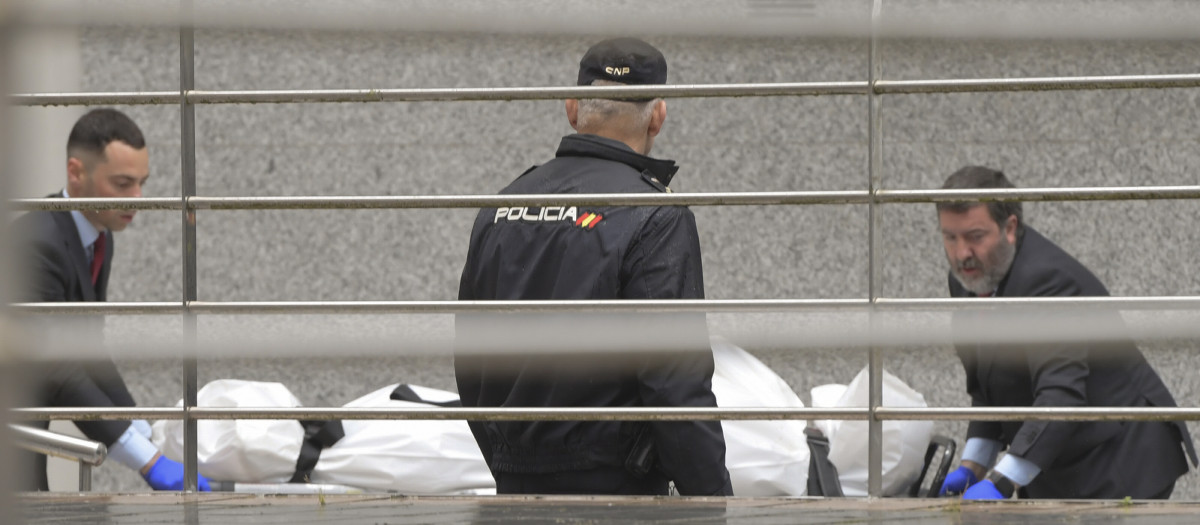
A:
[658, 115]
[76, 171]
[1010, 229]
[573, 113]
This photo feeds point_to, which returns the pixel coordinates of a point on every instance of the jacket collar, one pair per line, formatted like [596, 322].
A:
[87, 233]
[1016, 257]
[69, 235]
[585, 145]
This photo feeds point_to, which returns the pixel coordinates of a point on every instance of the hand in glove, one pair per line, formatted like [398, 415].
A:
[983, 490]
[166, 474]
[958, 481]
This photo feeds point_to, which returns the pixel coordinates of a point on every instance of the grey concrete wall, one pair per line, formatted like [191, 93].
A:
[1104, 138]
[48, 62]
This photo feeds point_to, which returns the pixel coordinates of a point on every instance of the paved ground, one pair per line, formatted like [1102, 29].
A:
[383, 509]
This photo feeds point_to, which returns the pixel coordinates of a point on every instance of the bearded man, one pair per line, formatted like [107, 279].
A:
[993, 253]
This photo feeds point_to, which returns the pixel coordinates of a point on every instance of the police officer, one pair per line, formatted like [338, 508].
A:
[593, 252]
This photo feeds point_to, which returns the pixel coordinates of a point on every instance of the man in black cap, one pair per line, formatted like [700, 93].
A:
[593, 252]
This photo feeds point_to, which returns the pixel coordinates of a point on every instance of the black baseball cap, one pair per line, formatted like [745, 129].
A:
[625, 60]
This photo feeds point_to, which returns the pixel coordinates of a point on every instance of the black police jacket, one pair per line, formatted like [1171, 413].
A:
[590, 360]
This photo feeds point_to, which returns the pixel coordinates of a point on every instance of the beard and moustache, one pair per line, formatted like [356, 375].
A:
[993, 268]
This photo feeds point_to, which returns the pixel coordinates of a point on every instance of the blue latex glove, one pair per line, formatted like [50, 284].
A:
[983, 490]
[166, 474]
[957, 482]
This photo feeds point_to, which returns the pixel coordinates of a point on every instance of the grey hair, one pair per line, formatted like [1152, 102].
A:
[592, 110]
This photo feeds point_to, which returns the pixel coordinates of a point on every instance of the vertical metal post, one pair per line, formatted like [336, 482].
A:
[187, 154]
[85, 477]
[874, 169]
[9, 353]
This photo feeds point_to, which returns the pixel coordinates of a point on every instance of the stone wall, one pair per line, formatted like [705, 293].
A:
[1046, 139]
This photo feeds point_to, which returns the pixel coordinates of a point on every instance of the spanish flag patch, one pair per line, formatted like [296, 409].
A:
[589, 220]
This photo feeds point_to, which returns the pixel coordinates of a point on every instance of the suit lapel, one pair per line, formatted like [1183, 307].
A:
[70, 237]
[982, 356]
[102, 281]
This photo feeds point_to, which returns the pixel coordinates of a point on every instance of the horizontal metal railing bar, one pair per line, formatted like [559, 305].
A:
[1160, 302]
[102, 308]
[781, 89]
[697, 413]
[95, 413]
[59, 445]
[1111, 193]
[978, 85]
[421, 413]
[76, 203]
[778, 89]
[438, 307]
[767, 198]
[130, 98]
[623, 414]
[455, 307]
[539, 414]
[611, 306]
[1041, 413]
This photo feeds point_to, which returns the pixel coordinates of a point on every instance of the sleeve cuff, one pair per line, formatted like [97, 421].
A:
[1021, 471]
[982, 451]
[143, 428]
[132, 449]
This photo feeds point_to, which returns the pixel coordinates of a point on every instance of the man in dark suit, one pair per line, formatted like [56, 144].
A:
[68, 255]
[992, 253]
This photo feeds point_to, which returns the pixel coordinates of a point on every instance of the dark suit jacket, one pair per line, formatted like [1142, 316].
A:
[1078, 459]
[58, 271]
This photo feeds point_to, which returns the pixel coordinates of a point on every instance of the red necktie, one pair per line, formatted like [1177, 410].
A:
[98, 257]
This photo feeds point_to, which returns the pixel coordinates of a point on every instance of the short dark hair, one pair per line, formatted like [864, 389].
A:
[96, 129]
[979, 177]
